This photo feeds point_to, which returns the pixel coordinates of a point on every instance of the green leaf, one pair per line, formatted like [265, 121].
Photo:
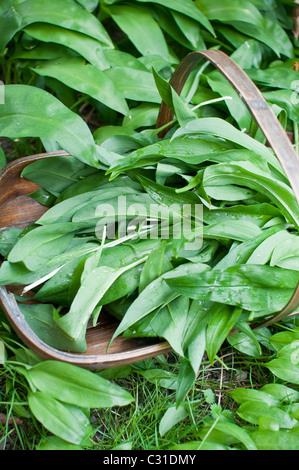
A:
[117, 58]
[189, 27]
[245, 17]
[89, 48]
[275, 440]
[220, 128]
[252, 287]
[172, 417]
[32, 112]
[10, 23]
[40, 245]
[172, 28]
[108, 132]
[246, 342]
[134, 84]
[258, 214]
[233, 230]
[56, 174]
[190, 150]
[85, 78]
[141, 29]
[187, 8]
[285, 99]
[153, 267]
[279, 76]
[253, 411]
[195, 445]
[64, 13]
[243, 395]
[169, 323]
[265, 251]
[89, 5]
[2, 353]
[156, 294]
[248, 55]
[286, 254]
[236, 106]
[247, 174]
[56, 443]
[194, 343]
[281, 392]
[65, 421]
[163, 88]
[218, 329]
[166, 196]
[224, 431]
[285, 366]
[284, 338]
[103, 209]
[8, 239]
[183, 113]
[93, 287]
[77, 386]
[160, 377]
[6, 4]
[40, 319]
[144, 115]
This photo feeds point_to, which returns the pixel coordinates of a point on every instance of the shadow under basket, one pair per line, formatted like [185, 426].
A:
[19, 210]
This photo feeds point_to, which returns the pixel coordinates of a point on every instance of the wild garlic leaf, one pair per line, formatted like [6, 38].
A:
[227, 431]
[285, 365]
[41, 244]
[56, 174]
[243, 395]
[218, 329]
[142, 30]
[275, 440]
[191, 151]
[40, 319]
[8, 239]
[133, 84]
[68, 422]
[221, 128]
[286, 255]
[77, 386]
[85, 78]
[247, 174]
[172, 416]
[170, 321]
[252, 411]
[247, 19]
[92, 289]
[89, 48]
[29, 111]
[252, 287]
[155, 266]
[187, 8]
[155, 295]
[64, 13]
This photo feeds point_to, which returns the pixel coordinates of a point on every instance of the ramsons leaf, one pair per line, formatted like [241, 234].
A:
[29, 111]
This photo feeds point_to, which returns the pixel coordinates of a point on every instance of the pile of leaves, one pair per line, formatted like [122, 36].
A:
[238, 261]
[236, 264]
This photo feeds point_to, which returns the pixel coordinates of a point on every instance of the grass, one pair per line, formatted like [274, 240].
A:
[136, 426]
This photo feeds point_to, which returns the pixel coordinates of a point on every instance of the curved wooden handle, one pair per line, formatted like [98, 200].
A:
[265, 118]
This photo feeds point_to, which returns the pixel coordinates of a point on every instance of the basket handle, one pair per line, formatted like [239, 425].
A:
[263, 115]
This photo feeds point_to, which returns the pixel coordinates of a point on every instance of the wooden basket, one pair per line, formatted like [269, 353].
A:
[17, 210]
